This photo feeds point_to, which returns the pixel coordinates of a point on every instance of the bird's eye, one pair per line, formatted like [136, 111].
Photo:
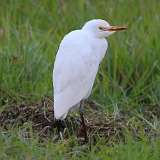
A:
[101, 28]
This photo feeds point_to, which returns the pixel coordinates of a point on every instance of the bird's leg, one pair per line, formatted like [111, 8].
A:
[60, 124]
[83, 121]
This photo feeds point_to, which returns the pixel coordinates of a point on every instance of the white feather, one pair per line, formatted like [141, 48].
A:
[75, 69]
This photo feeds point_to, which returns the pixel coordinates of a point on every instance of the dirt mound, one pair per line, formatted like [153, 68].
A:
[40, 116]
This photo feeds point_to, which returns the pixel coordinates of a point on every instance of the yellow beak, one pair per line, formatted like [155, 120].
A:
[114, 28]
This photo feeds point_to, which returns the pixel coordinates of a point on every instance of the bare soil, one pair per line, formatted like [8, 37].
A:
[108, 125]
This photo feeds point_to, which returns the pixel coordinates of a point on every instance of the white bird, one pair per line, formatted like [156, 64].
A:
[76, 65]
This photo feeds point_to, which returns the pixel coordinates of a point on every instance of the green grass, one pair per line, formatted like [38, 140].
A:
[128, 79]
[14, 146]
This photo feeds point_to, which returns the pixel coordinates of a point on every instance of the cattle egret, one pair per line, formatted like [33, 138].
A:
[77, 61]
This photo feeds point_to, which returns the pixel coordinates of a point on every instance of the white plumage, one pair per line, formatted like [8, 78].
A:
[76, 65]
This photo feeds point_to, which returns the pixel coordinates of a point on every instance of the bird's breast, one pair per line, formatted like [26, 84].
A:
[99, 48]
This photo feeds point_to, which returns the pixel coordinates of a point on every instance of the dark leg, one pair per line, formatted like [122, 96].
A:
[60, 124]
[83, 121]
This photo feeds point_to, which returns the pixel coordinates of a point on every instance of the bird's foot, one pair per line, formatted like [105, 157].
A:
[61, 127]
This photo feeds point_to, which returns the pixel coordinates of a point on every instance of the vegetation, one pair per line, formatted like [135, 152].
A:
[128, 82]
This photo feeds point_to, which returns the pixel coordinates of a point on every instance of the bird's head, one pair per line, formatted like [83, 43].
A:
[101, 28]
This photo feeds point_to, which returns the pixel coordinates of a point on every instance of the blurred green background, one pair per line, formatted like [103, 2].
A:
[128, 78]
[30, 32]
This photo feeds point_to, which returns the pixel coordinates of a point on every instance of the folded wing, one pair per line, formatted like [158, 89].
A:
[73, 75]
